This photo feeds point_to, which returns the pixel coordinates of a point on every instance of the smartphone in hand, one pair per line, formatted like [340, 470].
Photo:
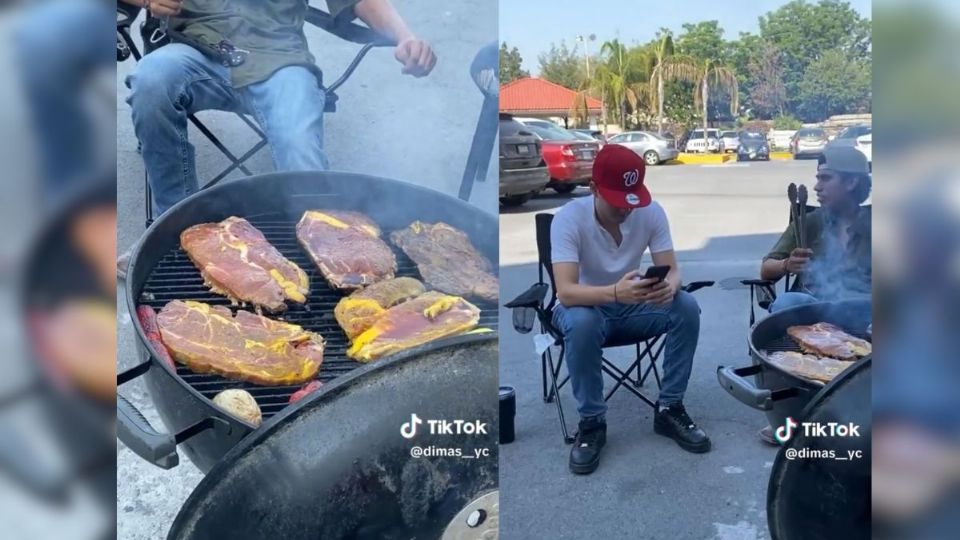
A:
[658, 273]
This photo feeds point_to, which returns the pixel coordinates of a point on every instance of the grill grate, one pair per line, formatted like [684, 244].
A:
[176, 278]
[783, 344]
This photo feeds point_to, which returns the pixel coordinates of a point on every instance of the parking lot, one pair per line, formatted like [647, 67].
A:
[723, 219]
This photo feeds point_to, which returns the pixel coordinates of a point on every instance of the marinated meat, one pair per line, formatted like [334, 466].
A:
[346, 247]
[825, 339]
[249, 347]
[78, 343]
[236, 261]
[304, 391]
[808, 366]
[148, 321]
[360, 310]
[447, 260]
[94, 232]
[428, 317]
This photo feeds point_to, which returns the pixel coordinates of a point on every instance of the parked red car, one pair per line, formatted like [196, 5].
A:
[569, 159]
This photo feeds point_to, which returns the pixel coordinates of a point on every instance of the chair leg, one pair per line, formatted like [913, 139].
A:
[555, 395]
[543, 375]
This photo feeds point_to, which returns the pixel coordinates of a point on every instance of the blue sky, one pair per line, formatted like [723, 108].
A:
[531, 25]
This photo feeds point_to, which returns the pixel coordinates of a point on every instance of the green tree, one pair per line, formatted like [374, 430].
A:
[702, 41]
[706, 76]
[803, 32]
[834, 84]
[666, 67]
[623, 77]
[511, 64]
[562, 66]
[768, 94]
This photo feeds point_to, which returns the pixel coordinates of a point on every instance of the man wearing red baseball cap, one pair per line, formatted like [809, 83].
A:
[597, 246]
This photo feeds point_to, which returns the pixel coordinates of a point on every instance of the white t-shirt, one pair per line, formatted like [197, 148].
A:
[577, 237]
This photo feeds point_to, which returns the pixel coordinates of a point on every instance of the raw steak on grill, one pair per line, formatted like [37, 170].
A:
[248, 347]
[808, 366]
[360, 310]
[825, 339]
[346, 247]
[447, 260]
[236, 261]
[428, 317]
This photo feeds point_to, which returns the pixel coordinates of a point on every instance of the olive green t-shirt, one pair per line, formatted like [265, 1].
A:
[272, 30]
[835, 271]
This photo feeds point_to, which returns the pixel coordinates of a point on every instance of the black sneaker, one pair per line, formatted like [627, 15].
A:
[674, 422]
[585, 454]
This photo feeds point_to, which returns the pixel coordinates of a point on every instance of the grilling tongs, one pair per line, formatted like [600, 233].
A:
[798, 212]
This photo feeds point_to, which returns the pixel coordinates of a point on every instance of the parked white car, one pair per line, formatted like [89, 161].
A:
[697, 144]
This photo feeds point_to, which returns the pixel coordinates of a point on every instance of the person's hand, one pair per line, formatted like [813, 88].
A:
[416, 56]
[631, 289]
[798, 260]
[163, 8]
[661, 293]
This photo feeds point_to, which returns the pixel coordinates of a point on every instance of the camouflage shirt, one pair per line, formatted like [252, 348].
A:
[271, 30]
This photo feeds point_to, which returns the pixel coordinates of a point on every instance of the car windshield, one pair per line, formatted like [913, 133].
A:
[726, 134]
[748, 136]
[811, 133]
[656, 135]
[553, 134]
[582, 136]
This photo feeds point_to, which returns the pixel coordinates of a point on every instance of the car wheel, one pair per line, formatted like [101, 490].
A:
[563, 189]
[515, 200]
[651, 158]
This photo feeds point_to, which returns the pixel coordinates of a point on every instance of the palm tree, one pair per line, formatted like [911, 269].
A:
[665, 68]
[703, 74]
[623, 77]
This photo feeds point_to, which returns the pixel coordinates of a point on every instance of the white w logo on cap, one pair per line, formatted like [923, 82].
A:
[631, 177]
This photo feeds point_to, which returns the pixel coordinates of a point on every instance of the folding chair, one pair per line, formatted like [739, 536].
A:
[763, 292]
[127, 14]
[534, 304]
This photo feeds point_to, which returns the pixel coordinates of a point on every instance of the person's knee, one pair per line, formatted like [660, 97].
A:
[685, 307]
[791, 299]
[581, 322]
[157, 81]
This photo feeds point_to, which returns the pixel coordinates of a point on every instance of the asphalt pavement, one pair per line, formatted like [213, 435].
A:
[387, 124]
[723, 220]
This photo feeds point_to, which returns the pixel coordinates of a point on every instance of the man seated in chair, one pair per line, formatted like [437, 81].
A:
[278, 83]
[837, 263]
[597, 246]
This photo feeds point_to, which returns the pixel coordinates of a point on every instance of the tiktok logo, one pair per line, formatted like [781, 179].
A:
[409, 429]
[785, 431]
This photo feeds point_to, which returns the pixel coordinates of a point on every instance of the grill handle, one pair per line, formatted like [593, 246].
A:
[136, 433]
[732, 380]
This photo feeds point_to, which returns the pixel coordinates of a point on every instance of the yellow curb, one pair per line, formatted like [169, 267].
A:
[705, 159]
[781, 155]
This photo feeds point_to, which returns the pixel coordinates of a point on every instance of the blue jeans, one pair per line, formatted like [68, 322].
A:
[587, 329]
[791, 299]
[58, 46]
[177, 80]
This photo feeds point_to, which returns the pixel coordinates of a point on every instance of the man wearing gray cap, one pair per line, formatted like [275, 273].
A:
[836, 264]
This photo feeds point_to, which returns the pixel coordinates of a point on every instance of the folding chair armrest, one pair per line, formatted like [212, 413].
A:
[531, 298]
[344, 29]
[696, 286]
